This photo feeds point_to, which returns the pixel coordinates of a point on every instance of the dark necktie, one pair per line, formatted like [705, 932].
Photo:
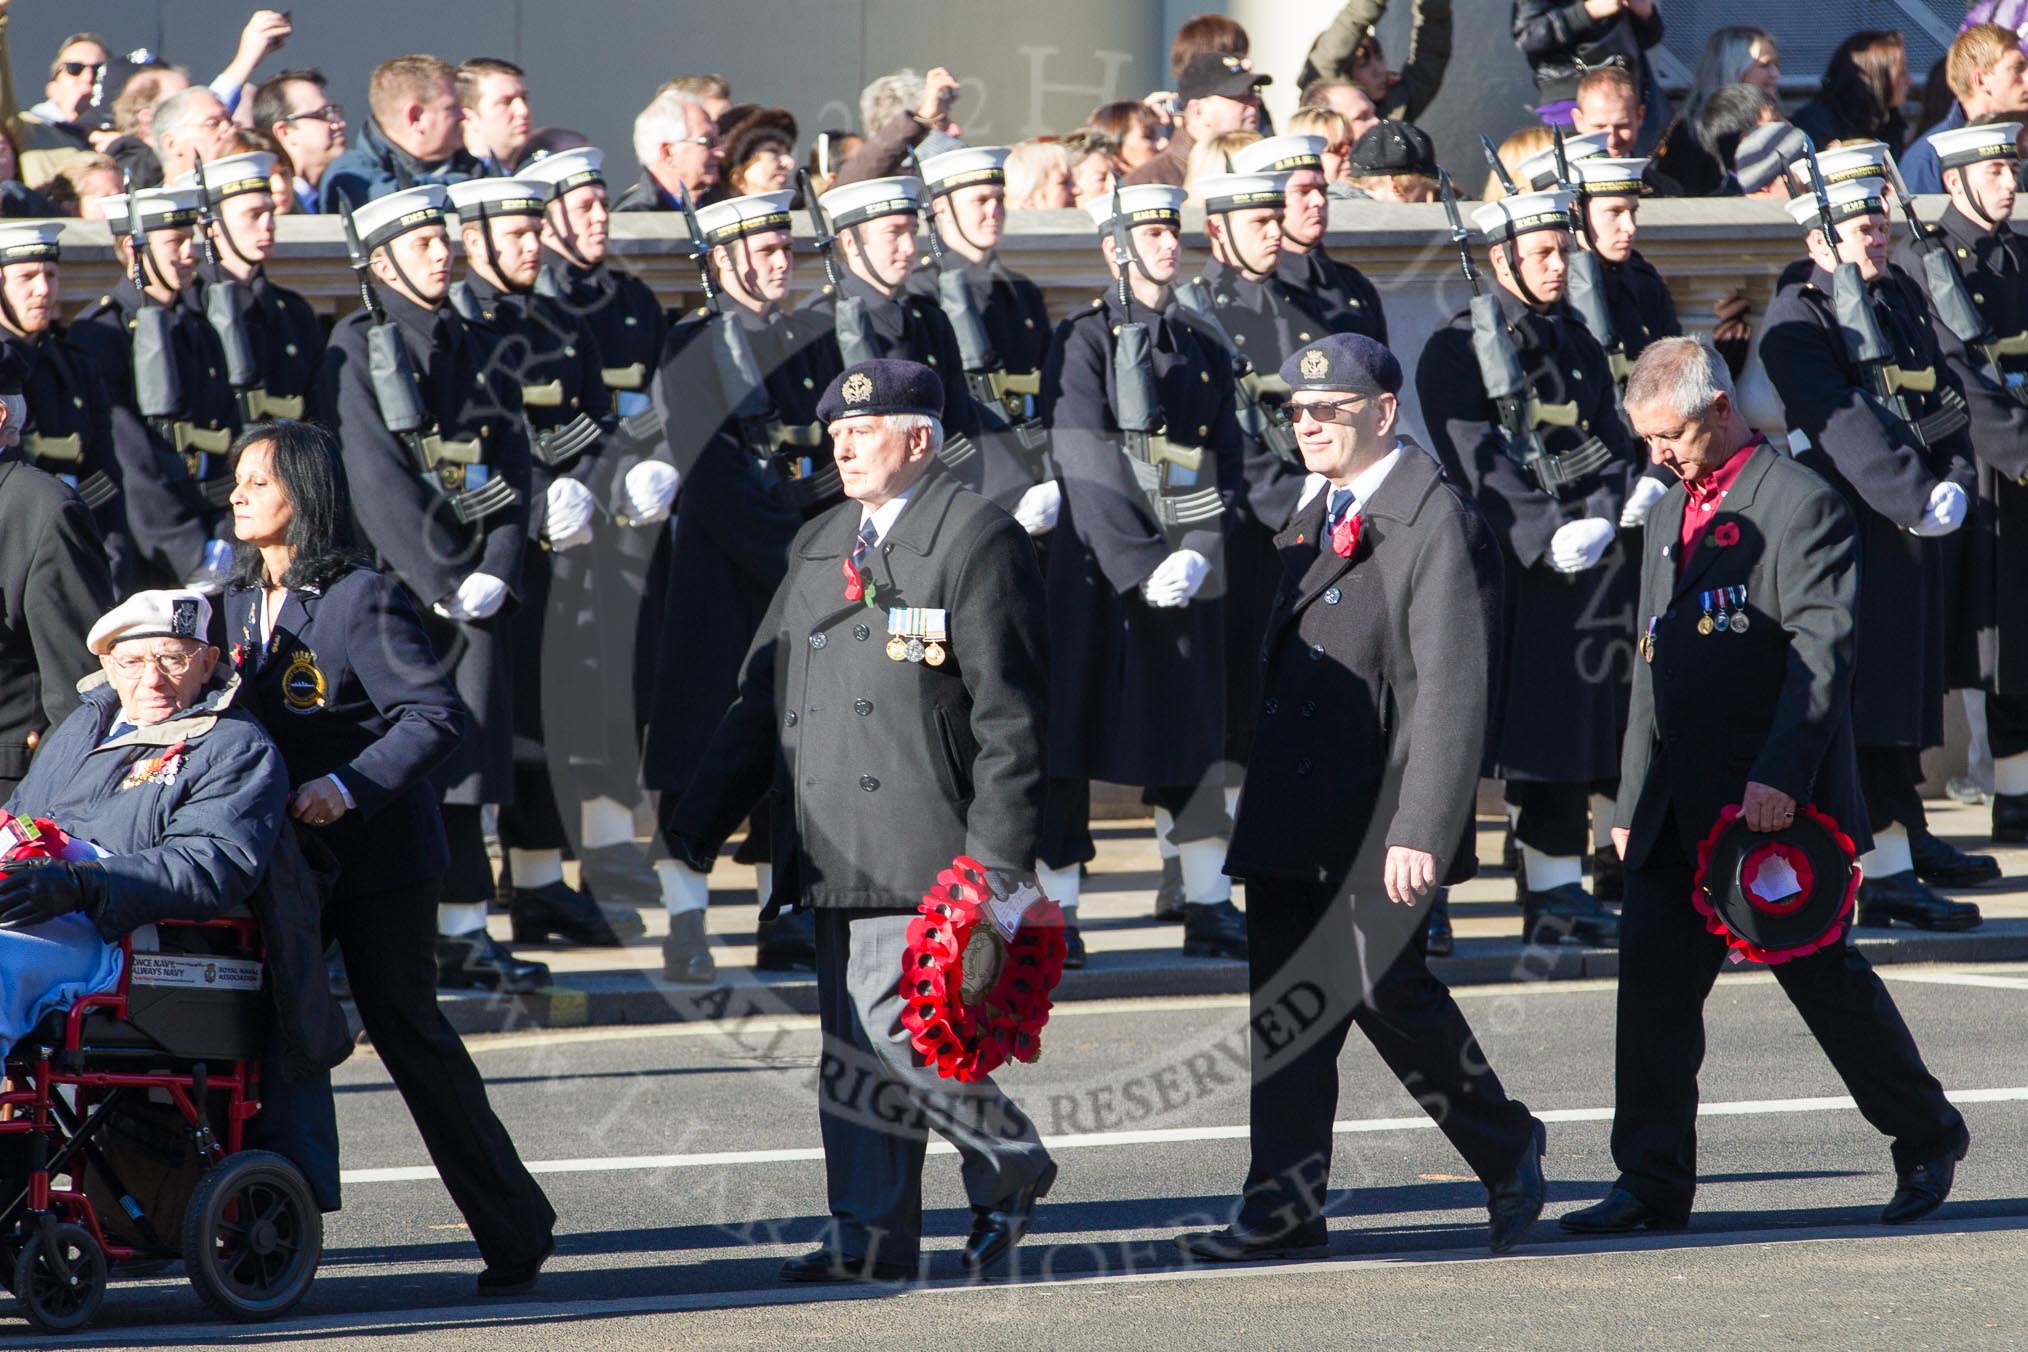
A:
[869, 536]
[1341, 503]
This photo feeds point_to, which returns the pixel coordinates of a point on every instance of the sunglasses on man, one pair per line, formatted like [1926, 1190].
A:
[1323, 410]
[81, 67]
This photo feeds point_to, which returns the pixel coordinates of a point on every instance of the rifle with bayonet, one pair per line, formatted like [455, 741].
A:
[225, 304]
[849, 322]
[158, 385]
[1269, 426]
[1584, 288]
[1950, 299]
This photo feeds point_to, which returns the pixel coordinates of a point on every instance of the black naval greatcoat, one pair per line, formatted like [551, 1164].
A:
[1568, 642]
[1839, 429]
[69, 434]
[174, 497]
[1642, 308]
[1016, 321]
[738, 508]
[408, 521]
[287, 339]
[1990, 611]
[1337, 296]
[1137, 693]
[881, 771]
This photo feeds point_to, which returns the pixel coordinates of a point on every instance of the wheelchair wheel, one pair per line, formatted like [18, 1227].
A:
[60, 1278]
[252, 1236]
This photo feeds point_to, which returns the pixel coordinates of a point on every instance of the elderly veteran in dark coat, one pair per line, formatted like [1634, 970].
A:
[1358, 804]
[891, 747]
[1756, 712]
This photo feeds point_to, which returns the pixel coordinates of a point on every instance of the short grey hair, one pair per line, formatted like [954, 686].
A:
[179, 114]
[888, 95]
[663, 121]
[908, 422]
[1685, 373]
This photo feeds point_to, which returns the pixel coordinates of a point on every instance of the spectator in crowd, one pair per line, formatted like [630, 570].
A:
[133, 147]
[1207, 34]
[1563, 39]
[1865, 84]
[1516, 150]
[900, 112]
[1727, 115]
[16, 197]
[82, 181]
[189, 125]
[1350, 49]
[1740, 54]
[1609, 105]
[1214, 157]
[1937, 99]
[713, 92]
[680, 151]
[263, 36]
[828, 153]
[1219, 94]
[760, 149]
[1344, 98]
[493, 101]
[295, 109]
[1338, 142]
[1987, 71]
[1092, 154]
[74, 73]
[1136, 130]
[1038, 177]
[414, 136]
[1395, 162]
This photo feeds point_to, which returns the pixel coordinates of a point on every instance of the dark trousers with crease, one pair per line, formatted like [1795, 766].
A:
[389, 941]
[1668, 961]
[1317, 964]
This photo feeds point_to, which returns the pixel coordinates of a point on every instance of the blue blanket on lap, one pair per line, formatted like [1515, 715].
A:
[50, 966]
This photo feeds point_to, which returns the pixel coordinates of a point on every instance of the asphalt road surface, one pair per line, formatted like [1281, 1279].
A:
[683, 1162]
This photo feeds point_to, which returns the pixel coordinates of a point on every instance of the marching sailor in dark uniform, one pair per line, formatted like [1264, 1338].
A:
[1549, 467]
[884, 769]
[1007, 322]
[442, 500]
[1140, 409]
[1975, 241]
[546, 351]
[67, 430]
[755, 464]
[1337, 296]
[1375, 678]
[173, 414]
[1889, 433]
[607, 663]
[1753, 711]
[283, 334]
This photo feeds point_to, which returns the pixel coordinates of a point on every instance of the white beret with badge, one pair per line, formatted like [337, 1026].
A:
[169, 613]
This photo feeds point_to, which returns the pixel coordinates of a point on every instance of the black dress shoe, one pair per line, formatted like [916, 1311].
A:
[1568, 914]
[476, 961]
[822, 1265]
[1901, 898]
[996, 1230]
[686, 952]
[571, 916]
[1073, 948]
[1169, 901]
[1514, 1203]
[1923, 1189]
[1440, 942]
[2010, 819]
[1621, 1213]
[1608, 876]
[619, 875]
[1234, 1245]
[515, 1279]
[1942, 864]
[1214, 930]
[788, 943]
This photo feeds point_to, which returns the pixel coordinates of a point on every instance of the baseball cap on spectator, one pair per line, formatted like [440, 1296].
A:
[1210, 75]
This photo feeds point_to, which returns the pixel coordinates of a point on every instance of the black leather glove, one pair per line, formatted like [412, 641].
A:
[32, 893]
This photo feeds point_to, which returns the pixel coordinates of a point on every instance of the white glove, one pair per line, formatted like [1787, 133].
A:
[1578, 545]
[1946, 510]
[1646, 493]
[1039, 506]
[567, 514]
[1176, 579]
[479, 597]
[214, 570]
[650, 489]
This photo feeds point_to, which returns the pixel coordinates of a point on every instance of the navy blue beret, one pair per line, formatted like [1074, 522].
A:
[884, 385]
[1347, 363]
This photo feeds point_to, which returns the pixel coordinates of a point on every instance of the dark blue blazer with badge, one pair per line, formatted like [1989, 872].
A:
[348, 685]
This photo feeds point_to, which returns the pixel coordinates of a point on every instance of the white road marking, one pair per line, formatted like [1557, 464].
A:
[2003, 983]
[1148, 1136]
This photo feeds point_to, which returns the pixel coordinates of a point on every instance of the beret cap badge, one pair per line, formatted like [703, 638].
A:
[857, 388]
[1315, 364]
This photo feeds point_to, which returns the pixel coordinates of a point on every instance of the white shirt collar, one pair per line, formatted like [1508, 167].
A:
[1367, 484]
[883, 517]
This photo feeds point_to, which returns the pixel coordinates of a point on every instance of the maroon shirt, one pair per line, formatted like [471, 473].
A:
[1705, 496]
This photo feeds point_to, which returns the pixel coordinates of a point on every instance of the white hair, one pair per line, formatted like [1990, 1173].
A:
[660, 123]
[1686, 373]
[888, 95]
[182, 111]
[908, 422]
[17, 417]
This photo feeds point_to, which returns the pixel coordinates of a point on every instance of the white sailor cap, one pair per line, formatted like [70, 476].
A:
[1141, 204]
[160, 209]
[386, 218]
[234, 175]
[30, 241]
[870, 199]
[172, 613]
[1238, 192]
[1602, 177]
[1969, 145]
[564, 170]
[967, 167]
[478, 198]
[1279, 155]
[1845, 164]
[1853, 197]
[1538, 171]
[1521, 214]
[738, 217]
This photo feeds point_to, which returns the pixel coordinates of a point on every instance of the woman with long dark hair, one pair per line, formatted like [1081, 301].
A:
[336, 666]
[1740, 54]
[1865, 83]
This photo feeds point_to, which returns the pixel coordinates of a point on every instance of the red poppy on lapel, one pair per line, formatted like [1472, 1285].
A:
[854, 586]
[1345, 536]
[1725, 533]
